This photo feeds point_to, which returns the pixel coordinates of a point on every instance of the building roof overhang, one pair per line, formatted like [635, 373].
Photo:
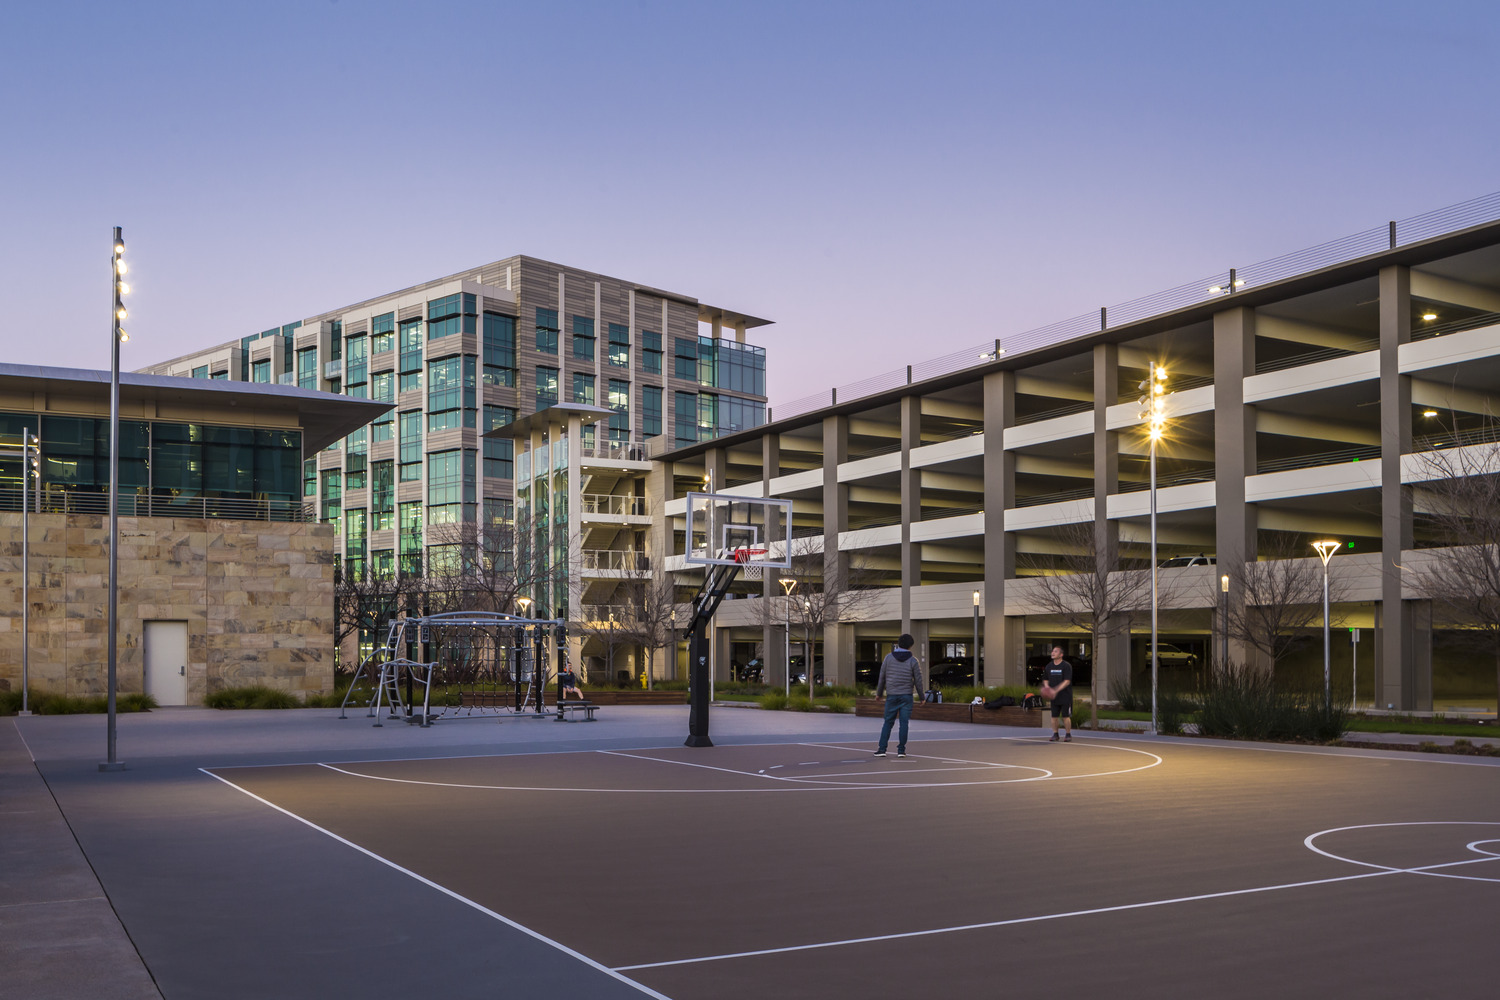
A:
[323, 416]
[556, 415]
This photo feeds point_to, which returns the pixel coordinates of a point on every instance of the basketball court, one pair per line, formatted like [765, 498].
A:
[609, 860]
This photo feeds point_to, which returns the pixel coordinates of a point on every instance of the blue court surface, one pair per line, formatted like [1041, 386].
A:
[298, 855]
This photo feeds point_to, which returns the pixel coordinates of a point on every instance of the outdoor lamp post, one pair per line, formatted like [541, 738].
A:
[788, 585]
[808, 648]
[976, 638]
[1154, 402]
[525, 603]
[116, 338]
[1224, 622]
[672, 645]
[1325, 551]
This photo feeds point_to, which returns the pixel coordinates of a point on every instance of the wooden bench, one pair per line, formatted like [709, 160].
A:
[607, 696]
[565, 707]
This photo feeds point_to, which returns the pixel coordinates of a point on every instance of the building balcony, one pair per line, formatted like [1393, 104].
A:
[62, 501]
[613, 506]
[624, 562]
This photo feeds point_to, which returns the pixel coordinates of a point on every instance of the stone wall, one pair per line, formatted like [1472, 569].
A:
[257, 598]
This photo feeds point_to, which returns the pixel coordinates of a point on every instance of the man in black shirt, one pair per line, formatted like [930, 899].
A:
[1057, 684]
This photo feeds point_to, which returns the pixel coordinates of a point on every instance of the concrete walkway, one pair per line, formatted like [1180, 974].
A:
[59, 934]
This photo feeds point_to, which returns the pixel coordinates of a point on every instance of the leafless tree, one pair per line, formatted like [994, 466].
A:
[827, 592]
[1276, 600]
[364, 604]
[1458, 509]
[1095, 589]
[640, 615]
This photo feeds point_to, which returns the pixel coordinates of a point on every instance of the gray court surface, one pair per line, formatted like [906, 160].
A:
[293, 854]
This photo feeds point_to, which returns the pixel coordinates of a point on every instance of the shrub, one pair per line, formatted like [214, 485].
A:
[1245, 704]
[252, 696]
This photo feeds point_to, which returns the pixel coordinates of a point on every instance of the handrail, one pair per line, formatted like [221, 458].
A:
[1321, 458]
[614, 503]
[1312, 357]
[53, 500]
[627, 560]
[1054, 413]
[1450, 219]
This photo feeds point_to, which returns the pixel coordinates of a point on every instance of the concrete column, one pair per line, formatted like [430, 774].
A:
[574, 433]
[1003, 636]
[1396, 679]
[1113, 660]
[838, 659]
[911, 504]
[773, 628]
[1236, 523]
[920, 632]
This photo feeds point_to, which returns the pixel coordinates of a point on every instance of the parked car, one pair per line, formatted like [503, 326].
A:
[754, 671]
[1168, 655]
[867, 672]
[799, 670]
[1083, 669]
[952, 672]
[1178, 562]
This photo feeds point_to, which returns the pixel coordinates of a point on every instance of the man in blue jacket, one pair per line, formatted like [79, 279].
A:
[902, 675]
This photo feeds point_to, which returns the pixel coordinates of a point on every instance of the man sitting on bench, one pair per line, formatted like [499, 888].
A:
[568, 682]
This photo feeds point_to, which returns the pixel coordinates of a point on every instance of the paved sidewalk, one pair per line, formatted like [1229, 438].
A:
[61, 938]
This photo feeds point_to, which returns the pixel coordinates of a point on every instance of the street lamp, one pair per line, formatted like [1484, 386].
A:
[788, 585]
[976, 639]
[1325, 551]
[525, 603]
[1154, 403]
[116, 338]
[808, 648]
[1224, 623]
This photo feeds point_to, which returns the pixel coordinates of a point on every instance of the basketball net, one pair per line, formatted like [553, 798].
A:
[749, 560]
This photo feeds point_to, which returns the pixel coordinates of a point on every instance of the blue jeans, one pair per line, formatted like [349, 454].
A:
[897, 706]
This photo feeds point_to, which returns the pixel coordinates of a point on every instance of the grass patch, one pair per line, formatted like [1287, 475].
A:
[63, 704]
[252, 696]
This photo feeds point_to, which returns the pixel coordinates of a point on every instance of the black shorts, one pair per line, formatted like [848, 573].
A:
[1062, 709]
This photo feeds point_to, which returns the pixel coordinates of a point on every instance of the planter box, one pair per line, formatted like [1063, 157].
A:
[875, 708]
[607, 697]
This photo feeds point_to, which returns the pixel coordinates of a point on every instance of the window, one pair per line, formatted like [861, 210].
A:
[411, 446]
[685, 359]
[382, 494]
[583, 337]
[499, 349]
[651, 410]
[410, 335]
[310, 477]
[499, 453]
[356, 364]
[260, 371]
[708, 350]
[383, 390]
[583, 388]
[741, 368]
[332, 498]
[223, 375]
[451, 486]
[354, 544]
[382, 564]
[619, 401]
[411, 539]
[685, 417]
[546, 331]
[736, 414]
[450, 393]
[651, 352]
[451, 314]
[336, 342]
[708, 416]
[202, 372]
[355, 456]
[546, 387]
[382, 333]
[307, 368]
[619, 345]
[499, 511]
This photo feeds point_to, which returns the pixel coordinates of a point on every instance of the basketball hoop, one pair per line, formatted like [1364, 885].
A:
[750, 559]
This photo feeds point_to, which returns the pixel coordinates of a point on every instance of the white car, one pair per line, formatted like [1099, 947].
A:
[1168, 655]
[1177, 562]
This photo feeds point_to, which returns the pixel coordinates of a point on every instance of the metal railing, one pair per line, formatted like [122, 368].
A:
[630, 451]
[618, 560]
[1225, 284]
[612, 503]
[938, 513]
[1427, 331]
[1162, 482]
[1488, 434]
[1038, 499]
[58, 501]
[1313, 357]
[1054, 413]
[1361, 454]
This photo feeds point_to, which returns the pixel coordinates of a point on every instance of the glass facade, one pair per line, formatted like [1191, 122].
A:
[583, 388]
[356, 455]
[411, 446]
[382, 494]
[651, 352]
[685, 417]
[332, 496]
[410, 541]
[260, 371]
[546, 331]
[583, 338]
[651, 410]
[452, 488]
[499, 349]
[619, 345]
[499, 453]
[307, 368]
[201, 371]
[382, 333]
[456, 313]
[354, 543]
[451, 393]
[410, 335]
[619, 401]
[383, 390]
[546, 387]
[356, 366]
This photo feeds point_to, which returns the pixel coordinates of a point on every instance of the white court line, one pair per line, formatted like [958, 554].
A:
[1046, 916]
[612, 973]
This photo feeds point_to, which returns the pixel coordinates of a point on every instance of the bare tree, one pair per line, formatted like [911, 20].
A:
[475, 567]
[1278, 599]
[1093, 588]
[640, 615]
[845, 592]
[1459, 512]
[365, 604]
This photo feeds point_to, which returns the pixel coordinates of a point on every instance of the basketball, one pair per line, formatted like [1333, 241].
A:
[1046, 691]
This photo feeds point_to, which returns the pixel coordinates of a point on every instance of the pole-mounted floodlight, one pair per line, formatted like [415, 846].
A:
[117, 337]
[1154, 411]
[1325, 552]
[1224, 623]
[976, 638]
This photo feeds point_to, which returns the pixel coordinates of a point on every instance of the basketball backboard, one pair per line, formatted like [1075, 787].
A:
[728, 530]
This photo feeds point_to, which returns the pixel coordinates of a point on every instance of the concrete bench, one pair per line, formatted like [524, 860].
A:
[566, 707]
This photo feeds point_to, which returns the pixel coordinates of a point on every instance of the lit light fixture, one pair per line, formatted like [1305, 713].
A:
[120, 312]
[1429, 413]
[1233, 286]
[124, 337]
[991, 355]
[124, 288]
[1428, 317]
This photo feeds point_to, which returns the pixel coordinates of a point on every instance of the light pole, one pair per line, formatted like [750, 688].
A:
[116, 338]
[1224, 623]
[30, 466]
[672, 646]
[787, 586]
[1325, 551]
[1155, 413]
[976, 639]
[808, 648]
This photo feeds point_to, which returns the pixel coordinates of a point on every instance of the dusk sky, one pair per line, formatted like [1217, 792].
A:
[888, 182]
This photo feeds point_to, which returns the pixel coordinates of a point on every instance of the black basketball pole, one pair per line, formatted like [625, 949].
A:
[698, 686]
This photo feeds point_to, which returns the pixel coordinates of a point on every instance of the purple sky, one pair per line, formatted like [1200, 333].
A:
[888, 182]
